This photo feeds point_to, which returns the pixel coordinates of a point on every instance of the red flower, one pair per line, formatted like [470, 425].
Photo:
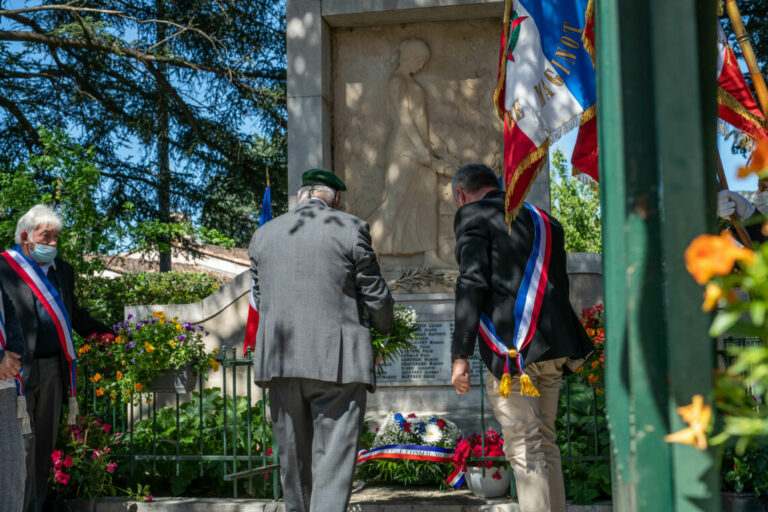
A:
[111, 467]
[149, 498]
[406, 426]
[56, 455]
[62, 478]
[496, 475]
[106, 428]
[441, 423]
[411, 415]
[269, 452]
[68, 461]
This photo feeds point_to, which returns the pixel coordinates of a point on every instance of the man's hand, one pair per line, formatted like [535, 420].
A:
[10, 365]
[460, 377]
[379, 359]
[730, 203]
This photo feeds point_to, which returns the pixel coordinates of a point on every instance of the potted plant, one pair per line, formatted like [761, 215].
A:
[745, 480]
[593, 369]
[153, 354]
[83, 467]
[410, 450]
[492, 482]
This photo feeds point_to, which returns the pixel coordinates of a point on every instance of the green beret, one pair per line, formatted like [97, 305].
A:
[322, 177]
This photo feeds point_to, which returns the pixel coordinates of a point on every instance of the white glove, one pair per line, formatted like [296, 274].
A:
[729, 203]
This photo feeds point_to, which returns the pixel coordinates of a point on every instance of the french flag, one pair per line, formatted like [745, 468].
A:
[546, 85]
[252, 324]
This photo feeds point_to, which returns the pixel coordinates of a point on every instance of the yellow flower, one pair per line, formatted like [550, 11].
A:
[158, 314]
[100, 392]
[179, 327]
[84, 349]
[595, 364]
[172, 344]
[214, 364]
[119, 375]
[710, 255]
[123, 362]
[216, 351]
[697, 416]
[138, 386]
[96, 378]
[148, 347]
[592, 378]
[119, 339]
[712, 295]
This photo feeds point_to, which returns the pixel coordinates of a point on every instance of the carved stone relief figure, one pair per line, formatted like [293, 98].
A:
[405, 223]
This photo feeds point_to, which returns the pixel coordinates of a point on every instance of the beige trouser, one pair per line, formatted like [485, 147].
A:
[530, 442]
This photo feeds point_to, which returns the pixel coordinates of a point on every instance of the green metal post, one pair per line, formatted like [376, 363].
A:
[234, 417]
[684, 49]
[654, 124]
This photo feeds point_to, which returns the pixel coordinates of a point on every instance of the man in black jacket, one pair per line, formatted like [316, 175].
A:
[42, 287]
[512, 296]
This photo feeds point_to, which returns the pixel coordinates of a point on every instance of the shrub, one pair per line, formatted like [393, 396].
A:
[105, 298]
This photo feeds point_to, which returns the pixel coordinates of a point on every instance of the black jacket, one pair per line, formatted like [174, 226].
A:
[491, 266]
[24, 302]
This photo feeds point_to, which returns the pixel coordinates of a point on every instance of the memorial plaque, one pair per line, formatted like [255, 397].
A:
[429, 362]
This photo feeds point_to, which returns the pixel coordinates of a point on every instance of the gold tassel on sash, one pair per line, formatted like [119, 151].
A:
[23, 415]
[526, 386]
[73, 411]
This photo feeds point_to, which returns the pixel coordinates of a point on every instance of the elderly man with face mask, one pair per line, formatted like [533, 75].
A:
[41, 287]
[731, 203]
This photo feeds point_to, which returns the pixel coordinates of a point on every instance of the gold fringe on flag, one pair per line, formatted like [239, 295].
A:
[719, 7]
[724, 98]
[497, 99]
[589, 14]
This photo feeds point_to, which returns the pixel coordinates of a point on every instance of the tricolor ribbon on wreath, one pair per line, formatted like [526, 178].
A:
[21, 402]
[528, 303]
[31, 273]
[418, 453]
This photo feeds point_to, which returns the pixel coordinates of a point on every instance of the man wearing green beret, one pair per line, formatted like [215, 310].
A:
[316, 285]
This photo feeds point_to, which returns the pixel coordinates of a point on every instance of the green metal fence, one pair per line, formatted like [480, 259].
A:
[239, 460]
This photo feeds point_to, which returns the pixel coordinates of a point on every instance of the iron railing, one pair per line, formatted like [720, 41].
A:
[239, 464]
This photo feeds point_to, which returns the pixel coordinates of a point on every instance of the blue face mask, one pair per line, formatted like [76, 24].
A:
[43, 253]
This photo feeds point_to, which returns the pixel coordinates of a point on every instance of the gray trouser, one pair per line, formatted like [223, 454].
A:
[12, 465]
[44, 396]
[317, 429]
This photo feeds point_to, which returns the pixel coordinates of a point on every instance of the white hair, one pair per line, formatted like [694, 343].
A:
[38, 215]
[323, 192]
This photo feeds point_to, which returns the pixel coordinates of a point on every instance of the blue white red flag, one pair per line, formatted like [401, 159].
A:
[252, 325]
[546, 85]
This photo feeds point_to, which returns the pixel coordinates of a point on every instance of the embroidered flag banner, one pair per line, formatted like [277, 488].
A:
[585, 155]
[735, 102]
[546, 85]
[252, 324]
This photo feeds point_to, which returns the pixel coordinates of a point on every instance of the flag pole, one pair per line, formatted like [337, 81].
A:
[267, 170]
[749, 54]
[743, 235]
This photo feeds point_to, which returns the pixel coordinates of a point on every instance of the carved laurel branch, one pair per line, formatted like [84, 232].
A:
[419, 277]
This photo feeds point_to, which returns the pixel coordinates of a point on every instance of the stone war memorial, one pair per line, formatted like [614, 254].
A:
[395, 97]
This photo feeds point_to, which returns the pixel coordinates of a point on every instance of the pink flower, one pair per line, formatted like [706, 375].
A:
[96, 454]
[68, 461]
[269, 452]
[496, 476]
[149, 498]
[62, 478]
[56, 455]
[111, 467]
[106, 428]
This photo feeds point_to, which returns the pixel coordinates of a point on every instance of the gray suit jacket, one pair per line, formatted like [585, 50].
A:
[317, 280]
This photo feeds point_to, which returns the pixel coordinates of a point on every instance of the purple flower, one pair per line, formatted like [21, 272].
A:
[133, 359]
[207, 333]
[130, 345]
[154, 321]
[138, 326]
[183, 337]
[141, 351]
[130, 316]
[199, 327]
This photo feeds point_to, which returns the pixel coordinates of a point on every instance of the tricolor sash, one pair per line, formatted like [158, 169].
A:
[21, 402]
[530, 298]
[415, 452]
[31, 273]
